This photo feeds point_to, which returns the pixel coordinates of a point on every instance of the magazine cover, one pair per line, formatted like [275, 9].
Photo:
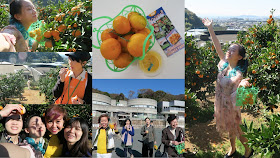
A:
[165, 32]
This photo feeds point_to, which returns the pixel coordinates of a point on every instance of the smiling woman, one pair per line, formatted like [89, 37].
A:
[14, 37]
[74, 86]
[55, 117]
[76, 138]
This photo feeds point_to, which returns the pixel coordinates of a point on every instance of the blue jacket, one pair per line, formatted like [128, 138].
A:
[130, 132]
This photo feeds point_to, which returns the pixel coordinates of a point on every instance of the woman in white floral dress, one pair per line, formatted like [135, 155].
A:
[232, 67]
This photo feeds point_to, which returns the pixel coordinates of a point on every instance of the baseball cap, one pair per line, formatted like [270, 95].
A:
[83, 56]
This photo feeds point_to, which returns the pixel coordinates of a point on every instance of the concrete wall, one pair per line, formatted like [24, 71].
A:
[121, 109]
[142, 101]
[123, 103]
[177, 103]
[101, 98]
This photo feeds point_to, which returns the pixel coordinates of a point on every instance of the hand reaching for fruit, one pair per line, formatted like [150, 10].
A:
[245, 83]
[12, 108]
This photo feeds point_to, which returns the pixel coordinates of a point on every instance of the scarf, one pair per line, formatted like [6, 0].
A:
[232, 73]
[128, 136]
[23, 31]
[38, 146]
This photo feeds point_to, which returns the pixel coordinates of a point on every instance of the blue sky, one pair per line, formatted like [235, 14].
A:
[172, 86]
[204, 8]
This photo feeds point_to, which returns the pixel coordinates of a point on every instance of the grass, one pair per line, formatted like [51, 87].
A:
[220, 150]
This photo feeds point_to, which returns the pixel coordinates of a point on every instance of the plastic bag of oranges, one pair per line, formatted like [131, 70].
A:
[246, 96]
[180, 148]
[36, 31]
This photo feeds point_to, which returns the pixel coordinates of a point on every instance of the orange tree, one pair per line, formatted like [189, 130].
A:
[194, 112]
[47, 83]
[67, 25]
[263, 47]
[201, 72]
[200, 68]
[4, 10]
[11, 85]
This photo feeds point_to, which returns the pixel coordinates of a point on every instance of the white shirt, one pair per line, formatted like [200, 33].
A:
[82, 75]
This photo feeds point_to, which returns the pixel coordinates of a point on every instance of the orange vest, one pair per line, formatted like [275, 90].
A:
[79, 91]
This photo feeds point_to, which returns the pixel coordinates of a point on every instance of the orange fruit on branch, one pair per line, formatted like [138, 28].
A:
[48, 44]
[62, 28]
[59, 17]
[76, 13]
[56, 38]
[55, 33]
[48, 34]
[76, 33]
[75, 25]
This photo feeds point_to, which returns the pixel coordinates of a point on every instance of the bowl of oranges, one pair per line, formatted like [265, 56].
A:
[125, 38]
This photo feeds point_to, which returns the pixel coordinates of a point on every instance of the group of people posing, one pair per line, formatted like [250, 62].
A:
[54, 135]
[104, 144]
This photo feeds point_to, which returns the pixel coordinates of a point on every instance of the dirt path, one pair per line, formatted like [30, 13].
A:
[203, 136]
[31, 97]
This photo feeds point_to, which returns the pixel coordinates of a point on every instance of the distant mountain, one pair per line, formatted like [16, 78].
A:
[30, 57]
[145, 93]
[192, 21]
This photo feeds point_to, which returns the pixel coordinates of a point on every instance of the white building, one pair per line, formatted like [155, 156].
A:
[176, 107]
[134, 108]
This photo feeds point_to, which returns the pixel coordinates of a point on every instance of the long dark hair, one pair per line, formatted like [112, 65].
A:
[15, 8]
[126, 120]
[80, 148]
[243, 63]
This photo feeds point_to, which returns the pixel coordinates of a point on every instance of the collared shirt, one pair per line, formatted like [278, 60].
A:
[7, 139]
[82, 75]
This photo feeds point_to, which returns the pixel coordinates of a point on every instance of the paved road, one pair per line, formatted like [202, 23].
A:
[137, 145]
